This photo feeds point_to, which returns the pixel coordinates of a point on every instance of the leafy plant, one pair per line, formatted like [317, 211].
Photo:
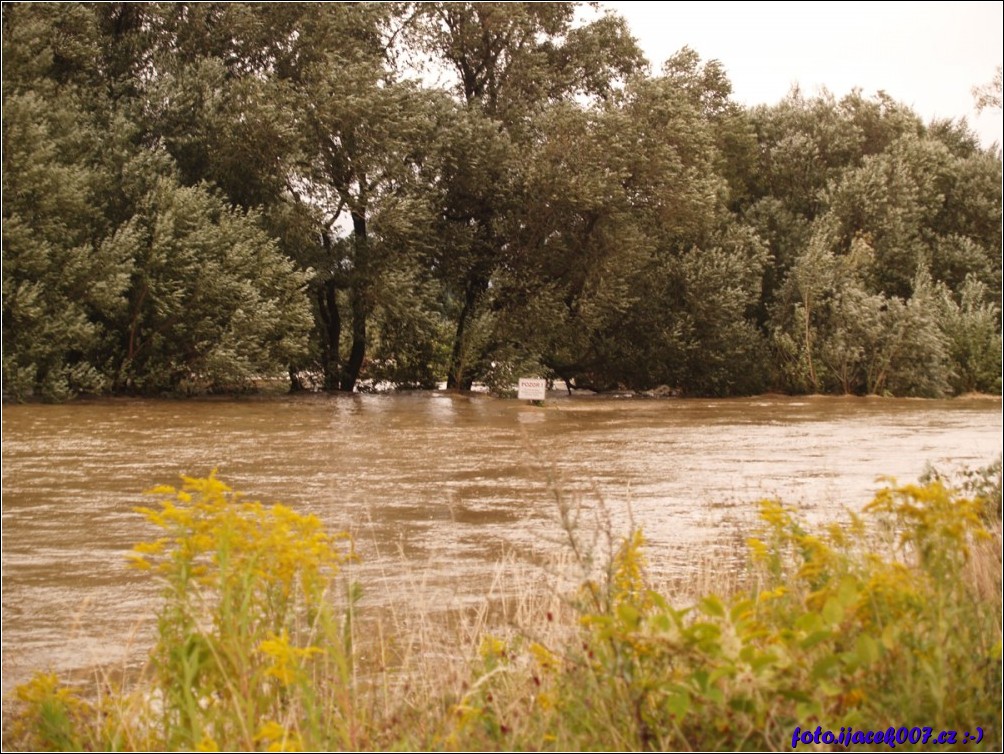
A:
[251, 650]
[889, 619]
[866, 626]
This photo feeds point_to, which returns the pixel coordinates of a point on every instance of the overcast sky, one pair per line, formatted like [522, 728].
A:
[927, 55]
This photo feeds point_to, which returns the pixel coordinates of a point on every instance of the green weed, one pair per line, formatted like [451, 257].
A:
[892, 619]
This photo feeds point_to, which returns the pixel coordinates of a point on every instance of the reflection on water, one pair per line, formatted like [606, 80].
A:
[436, 487]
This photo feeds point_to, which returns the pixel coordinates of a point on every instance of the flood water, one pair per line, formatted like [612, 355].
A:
[436, 488]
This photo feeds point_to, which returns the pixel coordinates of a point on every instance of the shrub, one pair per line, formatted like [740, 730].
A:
[868, 627]
[251, 652]
[889, 620]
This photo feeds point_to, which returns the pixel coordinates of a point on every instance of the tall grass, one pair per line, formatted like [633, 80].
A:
[892, 620]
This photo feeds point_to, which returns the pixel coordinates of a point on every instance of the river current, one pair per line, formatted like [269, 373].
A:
[437, 489]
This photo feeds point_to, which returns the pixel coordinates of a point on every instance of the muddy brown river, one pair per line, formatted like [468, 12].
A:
[437, 489]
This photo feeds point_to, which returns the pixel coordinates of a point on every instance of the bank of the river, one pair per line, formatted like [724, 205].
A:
[437, 488]
[259, 646]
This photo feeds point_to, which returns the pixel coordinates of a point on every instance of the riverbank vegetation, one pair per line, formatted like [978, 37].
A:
[890, 620]
[198, 196]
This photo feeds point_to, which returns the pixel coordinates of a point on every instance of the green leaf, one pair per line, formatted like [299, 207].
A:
[796, 695]
[742, 704]
[809, 622]
[829, 689]
[703, 633]
[890, 636]
[816, 637]
[712, 606]
[824, 667]
[833, 611]
[701, 678]
[867, 650]
[762, 661]
[847, 594]
[678, 703]
[725, 671]
[628, 614]
[661, 622]
[741, 609]
[808, 710]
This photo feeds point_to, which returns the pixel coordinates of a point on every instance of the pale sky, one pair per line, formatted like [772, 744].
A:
[927, 55]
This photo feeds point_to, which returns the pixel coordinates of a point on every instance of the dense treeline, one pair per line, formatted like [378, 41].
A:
[196, 196]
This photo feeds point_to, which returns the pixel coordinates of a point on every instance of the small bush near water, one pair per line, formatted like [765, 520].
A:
[889, 621]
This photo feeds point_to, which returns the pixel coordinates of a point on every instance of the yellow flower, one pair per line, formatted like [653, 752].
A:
[544, 656]
[207, 743]
[287, 660]
[277, 738]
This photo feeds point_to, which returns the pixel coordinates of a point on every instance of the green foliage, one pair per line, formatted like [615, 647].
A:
[889, 619]
[212, 302]
[410, 344]
[989, 95]
[61, 283]
[854, 292]
[629, 267]
[50, 716]
[116, 277]
[832, 334]
[249, 626]
[972, 329]
[510, 58]
[251, 654]
[863, 626]
[982, 484]
[512, 63]
[502, 376]
[547, 200]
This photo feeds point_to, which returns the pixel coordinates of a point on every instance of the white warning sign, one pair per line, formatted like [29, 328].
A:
[532, 389]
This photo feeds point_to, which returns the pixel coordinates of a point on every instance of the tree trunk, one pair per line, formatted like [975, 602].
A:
[331, 335]
[360, 310]
[808, 347]
[457, 377]
[355, 362]
[460, 375]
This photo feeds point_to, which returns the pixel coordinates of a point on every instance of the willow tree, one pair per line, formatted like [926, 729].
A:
[299, 112]
[509, 62]
[117, 275]
[365, 135]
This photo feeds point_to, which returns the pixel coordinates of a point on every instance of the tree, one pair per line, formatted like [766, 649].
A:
[297, 112]
[183, 181]
[805, 145]
[627, 269]
[115, 276]
[989, 95]
[833, 333]
[369, 140]
[800, 310]
[61, 285]
[510, 60]
[212, 302]
[971, 325]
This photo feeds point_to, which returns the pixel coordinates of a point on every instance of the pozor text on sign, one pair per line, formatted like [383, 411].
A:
[532, 389]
